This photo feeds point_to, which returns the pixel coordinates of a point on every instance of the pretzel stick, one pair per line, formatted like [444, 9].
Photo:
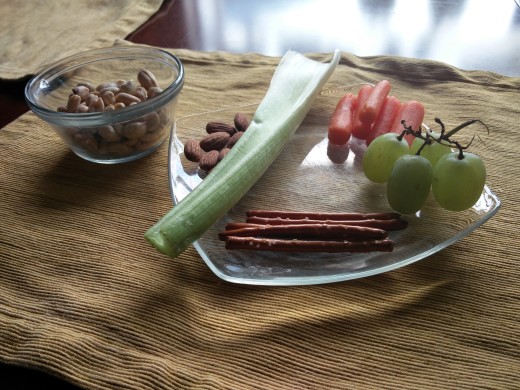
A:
[320, 216]
[309, 231]
[272, 244]
[386, 224]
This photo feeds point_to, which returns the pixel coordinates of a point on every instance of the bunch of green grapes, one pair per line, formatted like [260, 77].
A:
[456, 178]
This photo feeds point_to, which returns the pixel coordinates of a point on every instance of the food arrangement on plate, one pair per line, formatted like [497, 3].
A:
[332, 187]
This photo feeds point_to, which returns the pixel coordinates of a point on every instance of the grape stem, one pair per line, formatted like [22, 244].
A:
[445, 136]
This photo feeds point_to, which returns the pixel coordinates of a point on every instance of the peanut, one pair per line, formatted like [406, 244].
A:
[147, 79]
[128, 87]
[118, 139]
[141, 93]
[114, 90]
[91, 98]
[108, 97]
[73, 103]
[82, 108]
[134, 130]
[153, 92]
[96, 105]
[82, 91]
[109, 134]
[152, 121]
[102, 86]
[126, 98]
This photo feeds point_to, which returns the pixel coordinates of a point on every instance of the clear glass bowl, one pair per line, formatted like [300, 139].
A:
[110, 135]
[304, 178]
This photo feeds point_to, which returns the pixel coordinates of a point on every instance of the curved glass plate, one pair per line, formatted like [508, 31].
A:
[303, 178]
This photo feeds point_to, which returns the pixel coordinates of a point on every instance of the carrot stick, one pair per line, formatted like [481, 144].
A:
[386, 118]
[369, 112]
[340, 125]
[412, 113]
[271, 244]
[309, 231]
[320, 216]
[359, 128]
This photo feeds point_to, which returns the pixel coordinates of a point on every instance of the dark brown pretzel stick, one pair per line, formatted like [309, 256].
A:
[272, 244]
[308, 231]
[320, 216]
[386, 224]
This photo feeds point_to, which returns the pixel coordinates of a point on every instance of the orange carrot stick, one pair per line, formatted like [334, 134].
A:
[386, 118]
[369, 112]
[412, 113]
[359, 128]
[340, 125]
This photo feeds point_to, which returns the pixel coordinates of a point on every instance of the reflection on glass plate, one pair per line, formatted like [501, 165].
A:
[304, 178]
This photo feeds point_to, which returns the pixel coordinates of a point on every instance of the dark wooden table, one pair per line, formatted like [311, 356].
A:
[469, 34]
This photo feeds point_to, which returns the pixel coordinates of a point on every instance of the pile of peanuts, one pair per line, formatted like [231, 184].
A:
[118, 139]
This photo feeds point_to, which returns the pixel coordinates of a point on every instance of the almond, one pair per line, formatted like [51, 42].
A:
[214, 141]
[209, 160]
[241, 121]
[234, 139]
[223, 153]
[192, 150]
[216, 127]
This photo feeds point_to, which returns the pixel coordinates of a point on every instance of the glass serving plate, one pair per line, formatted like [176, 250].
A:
[305, 178]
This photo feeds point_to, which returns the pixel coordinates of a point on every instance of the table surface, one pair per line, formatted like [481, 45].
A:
[469, 34]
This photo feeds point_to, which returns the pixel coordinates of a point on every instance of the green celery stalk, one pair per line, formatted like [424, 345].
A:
[293, 89]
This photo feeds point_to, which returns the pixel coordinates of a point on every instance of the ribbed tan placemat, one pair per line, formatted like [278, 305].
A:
[84, 296]
[37, 32]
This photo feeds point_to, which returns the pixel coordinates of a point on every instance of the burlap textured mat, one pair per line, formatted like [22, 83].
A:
[84, 296]
[36, 33]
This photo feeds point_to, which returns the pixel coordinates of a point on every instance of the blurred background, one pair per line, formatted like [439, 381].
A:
[470, 34]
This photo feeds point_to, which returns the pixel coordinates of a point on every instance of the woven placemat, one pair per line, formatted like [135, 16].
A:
[85, 297]
[37, 33]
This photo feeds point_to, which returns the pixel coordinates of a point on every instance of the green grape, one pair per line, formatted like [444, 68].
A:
[433, 152]
[380, 156]
[409, 184]
[458, 183]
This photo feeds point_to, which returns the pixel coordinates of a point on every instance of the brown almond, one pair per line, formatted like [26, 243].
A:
[234, 139]
[192, 150]
[209, 160]
[216, 127]
[223, 153]
[214, 141]
[241, 121]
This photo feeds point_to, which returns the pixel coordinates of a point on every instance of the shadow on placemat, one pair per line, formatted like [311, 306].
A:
[26, 378]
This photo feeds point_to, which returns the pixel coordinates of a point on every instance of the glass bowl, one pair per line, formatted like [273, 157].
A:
[311, 176]
[109, 105]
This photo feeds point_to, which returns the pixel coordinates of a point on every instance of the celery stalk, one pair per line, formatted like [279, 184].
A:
[294, 86]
